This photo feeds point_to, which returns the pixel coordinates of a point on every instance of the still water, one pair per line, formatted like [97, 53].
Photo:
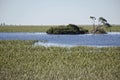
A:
[110, 39]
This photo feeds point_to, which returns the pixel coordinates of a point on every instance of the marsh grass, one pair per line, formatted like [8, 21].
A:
[20, 60]
[114, 28]
[24, 28]
[44, 28]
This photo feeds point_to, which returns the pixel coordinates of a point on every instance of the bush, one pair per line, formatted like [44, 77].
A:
[69, 29]
[100, 31]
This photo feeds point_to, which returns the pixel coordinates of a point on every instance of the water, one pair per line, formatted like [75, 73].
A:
[110, 39]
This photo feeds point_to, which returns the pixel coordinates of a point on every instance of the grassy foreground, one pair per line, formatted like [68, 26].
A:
[44, 28]
[20, 60]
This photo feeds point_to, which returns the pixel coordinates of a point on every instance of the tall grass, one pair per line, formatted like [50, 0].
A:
[24, 28]
[114, 28]
[44, 28]
[21, 60]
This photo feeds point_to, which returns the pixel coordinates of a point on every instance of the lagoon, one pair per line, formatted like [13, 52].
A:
[98, 40]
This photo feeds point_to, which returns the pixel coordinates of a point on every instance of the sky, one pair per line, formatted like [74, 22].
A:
[55, 12]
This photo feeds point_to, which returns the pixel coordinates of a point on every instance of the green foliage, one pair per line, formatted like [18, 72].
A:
[20, 60]
[69, 29]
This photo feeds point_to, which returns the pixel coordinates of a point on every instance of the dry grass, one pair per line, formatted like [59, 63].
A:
[20, 60]
[44, 28]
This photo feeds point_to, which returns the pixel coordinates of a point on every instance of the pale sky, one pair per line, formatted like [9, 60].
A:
[37, 12]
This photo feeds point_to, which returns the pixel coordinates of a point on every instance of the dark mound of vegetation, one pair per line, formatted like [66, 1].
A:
[69, 29]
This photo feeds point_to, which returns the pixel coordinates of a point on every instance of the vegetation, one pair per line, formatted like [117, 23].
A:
[21, 60]
[26, 28]
[69, 29]
[99, 28]
[114, 28]
[44, 28]
[93, 19]
[104, 22]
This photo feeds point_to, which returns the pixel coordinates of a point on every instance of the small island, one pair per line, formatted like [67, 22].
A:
[69, 29]
[74, 29]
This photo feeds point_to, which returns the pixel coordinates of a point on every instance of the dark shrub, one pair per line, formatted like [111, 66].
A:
[83, 31]
[50, 30]
[73, 27]
[69, 29]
